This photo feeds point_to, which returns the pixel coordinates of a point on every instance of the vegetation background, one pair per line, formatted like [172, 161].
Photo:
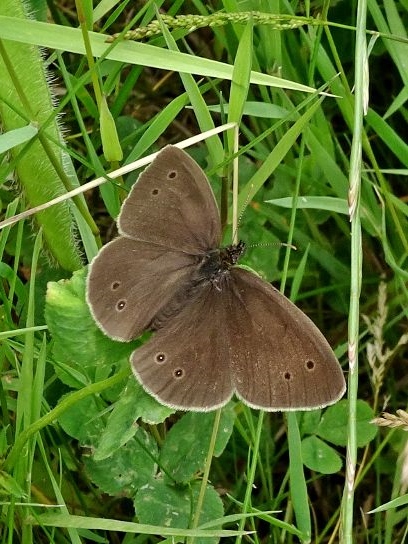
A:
[87, 455]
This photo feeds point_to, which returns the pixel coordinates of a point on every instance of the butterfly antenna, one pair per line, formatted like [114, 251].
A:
[271, 244]
[239, 220]
[265, 244]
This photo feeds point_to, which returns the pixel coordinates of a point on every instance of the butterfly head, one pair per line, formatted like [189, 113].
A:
[233, 253]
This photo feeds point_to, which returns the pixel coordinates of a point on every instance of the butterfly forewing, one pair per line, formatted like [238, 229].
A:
[282, 361]
[172, 204]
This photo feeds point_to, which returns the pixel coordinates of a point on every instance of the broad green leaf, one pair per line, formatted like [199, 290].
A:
[134, 404]
[186, 446]
[309, 421]
[160, 504]
[334, 424]
[131, 467]
[83, 421]
[320, 457]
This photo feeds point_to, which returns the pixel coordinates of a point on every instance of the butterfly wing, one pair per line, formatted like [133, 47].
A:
[245, 337]
[169, 220]
[130, 282]
[280, 359]
[240, 335]
[172, 204]
[185, 364]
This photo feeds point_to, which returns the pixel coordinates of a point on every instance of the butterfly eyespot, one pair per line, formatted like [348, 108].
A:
[178, 373]
[115, 285]
[310, 365]
[121, 305]
[172, 174]
[287, 376]
[160, 358]
[155, 192]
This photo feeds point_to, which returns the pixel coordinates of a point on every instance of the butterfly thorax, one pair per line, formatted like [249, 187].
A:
[217, 262]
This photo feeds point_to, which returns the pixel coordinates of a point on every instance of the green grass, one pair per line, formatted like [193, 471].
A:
[87, 455]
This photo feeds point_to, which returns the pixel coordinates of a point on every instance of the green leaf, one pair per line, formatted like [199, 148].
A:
[171, 506]
[186, 446]
[336, 205]
[70, 39]
[16, 137]
[320, 457]
[128, 469]
[83, 421]
[275, 157]
[141, 529]
[298, 490]
[133, 403]
[309, 421]
[240, 83]
[395, 503]
[40, 165]
[10, 487]
[112, 149]
[334, 424]
[256, 109]
[390, 138]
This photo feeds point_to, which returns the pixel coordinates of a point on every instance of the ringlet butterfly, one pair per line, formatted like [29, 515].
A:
[218, 329]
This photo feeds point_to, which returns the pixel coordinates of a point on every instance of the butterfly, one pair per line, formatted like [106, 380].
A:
[218, 329]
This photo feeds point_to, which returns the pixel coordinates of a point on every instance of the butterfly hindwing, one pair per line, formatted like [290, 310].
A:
[130, 282]
[186, 363]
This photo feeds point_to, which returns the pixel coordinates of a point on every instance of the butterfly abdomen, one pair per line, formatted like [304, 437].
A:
[213, 272]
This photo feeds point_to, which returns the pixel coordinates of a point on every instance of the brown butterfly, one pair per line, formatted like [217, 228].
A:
[218, 328]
